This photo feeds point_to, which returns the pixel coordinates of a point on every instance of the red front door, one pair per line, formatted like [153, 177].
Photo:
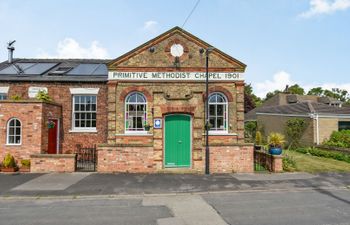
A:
[53, 132]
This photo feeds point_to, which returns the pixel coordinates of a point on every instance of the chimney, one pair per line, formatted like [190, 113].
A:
[10, 49]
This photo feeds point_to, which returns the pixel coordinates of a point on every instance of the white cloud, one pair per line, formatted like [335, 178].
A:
[151, 26]
[279, 82]
[318, 7]
[282, 78]
[70, 48]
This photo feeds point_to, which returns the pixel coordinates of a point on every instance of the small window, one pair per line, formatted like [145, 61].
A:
[84, 112]
[14, 132]
[135, 112]
[218, 112]
[343, 125]
[3, 96]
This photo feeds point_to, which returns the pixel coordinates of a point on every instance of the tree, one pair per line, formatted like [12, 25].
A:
[271, 94]
[296, 89]
[318, 91]
[250, 99]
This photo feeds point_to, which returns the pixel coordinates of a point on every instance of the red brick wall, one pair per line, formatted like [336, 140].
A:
[44, 163]
[129, 159]
[32, 115]
[60, 93]
[234, 158]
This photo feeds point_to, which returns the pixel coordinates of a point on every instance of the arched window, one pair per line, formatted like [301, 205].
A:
[135, 112]
[14, 132]
[218, 112]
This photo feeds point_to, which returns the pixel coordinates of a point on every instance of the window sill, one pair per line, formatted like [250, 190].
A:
[83, 131]
[135, 134]
[221, 134]
[13, 145]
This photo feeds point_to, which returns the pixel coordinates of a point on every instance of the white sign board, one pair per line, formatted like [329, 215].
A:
[157, 123]
[33, 91]
[174, 76]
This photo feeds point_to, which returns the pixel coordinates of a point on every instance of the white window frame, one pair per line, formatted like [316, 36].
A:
[8, 132]
[4, 91]
[83, 129]
[135, 132]
[215, 132]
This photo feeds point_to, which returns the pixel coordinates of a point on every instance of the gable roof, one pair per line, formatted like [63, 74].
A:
[76, 70]
[304, 108]
[113, 63]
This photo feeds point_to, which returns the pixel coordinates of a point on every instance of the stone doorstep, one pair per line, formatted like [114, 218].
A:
[179, 171]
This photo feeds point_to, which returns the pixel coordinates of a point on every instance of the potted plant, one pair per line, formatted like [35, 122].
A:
[258, 140]
[275, 141]
[50, 124]
[147, 127]
[209, 125]
[25, 165]
[9, 164]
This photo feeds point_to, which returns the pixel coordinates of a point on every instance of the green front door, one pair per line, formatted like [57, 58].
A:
[177, 140]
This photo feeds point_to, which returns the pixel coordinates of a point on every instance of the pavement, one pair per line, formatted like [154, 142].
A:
[89, 184]
[175, 199]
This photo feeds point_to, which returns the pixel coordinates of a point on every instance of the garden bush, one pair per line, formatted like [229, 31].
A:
[289, 164]
[294, 130]
[25, 162]
[339, 139]
[326, 154]
[9, 161]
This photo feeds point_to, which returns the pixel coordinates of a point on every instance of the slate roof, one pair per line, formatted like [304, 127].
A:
[305, 108]
[97, 66]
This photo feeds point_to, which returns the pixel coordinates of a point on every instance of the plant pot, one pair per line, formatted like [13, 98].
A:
[275, 151]
[24, 169]
[9, 170]
[147, 128]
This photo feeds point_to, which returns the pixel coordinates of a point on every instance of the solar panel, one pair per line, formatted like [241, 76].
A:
[27, 68]
[89, 69]
[39, 68]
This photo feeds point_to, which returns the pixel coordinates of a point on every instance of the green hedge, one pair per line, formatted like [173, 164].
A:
[339, 139]
[325, 153]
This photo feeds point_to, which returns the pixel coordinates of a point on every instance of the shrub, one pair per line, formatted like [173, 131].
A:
[258, 138]
[16, 97]
[339, 139]
[44, 96]
[275, 140]
[289, 164]
[294, 130]
[25, 162]
[250, 130]
[9, 161]
[325, 153]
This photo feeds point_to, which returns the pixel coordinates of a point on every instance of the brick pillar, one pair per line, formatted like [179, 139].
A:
[240, 111]
[277, 164]
[112, 87]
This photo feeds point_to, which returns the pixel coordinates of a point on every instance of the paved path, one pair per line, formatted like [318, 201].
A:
[51, 182]
[187, 210]
[82, 184]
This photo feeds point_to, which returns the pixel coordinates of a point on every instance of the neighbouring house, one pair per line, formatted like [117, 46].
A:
[143, 110]
[323, 115]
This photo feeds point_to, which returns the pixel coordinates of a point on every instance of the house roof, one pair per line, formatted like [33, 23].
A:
[113, 64]
[304, 108]
[67, 70]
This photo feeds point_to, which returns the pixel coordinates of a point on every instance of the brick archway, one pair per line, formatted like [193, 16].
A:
[226, 92]
[167, 109]
[128, 90]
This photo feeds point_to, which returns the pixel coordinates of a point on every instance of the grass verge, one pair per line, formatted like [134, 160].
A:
[315, 164]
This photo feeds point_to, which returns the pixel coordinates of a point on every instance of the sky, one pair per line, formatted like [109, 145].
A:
[281, 41]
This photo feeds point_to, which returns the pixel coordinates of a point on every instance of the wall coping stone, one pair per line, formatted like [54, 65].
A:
[124, 145]
[29, 101]
[229, 144]
[52, 156]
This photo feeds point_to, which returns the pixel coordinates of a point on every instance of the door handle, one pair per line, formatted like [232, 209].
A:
[180, 142]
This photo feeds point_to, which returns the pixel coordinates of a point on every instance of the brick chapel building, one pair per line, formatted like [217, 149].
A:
[143, 110]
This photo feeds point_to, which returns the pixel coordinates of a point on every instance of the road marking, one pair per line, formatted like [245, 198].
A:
[51, 182]
[187, 210]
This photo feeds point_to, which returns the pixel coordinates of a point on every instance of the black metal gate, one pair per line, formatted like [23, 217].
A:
[86, 159]
[260, 160]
